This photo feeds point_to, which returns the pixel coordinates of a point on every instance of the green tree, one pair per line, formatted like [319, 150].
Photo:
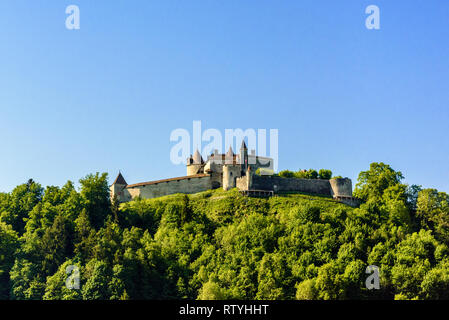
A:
[9, 243]
[26, 282]
[325, 174]
[56, 288]
[306, 290]
[212, 291]
[433, 211]
[97, 276]
[17, 205]
[85, 237]
[371, 184]
[95, 194]
[57, 244]
[286, 174]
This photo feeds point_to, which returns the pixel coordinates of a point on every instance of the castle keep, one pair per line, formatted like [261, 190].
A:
[229, 171]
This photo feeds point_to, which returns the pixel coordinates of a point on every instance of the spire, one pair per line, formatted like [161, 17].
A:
[120, 179]
[229, 157]
[243, 156]
[230, 153]
[197, 158]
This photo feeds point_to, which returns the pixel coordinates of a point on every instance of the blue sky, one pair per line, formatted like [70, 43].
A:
[106, 97]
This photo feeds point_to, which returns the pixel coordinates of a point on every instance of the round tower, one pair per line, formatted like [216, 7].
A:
[341, 187]
[228, 177]
[195, 164]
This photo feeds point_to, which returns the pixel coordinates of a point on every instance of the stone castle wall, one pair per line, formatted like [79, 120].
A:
[278, 184]
[244, 183]
[188, 185]
[337, 188]
[333, 187]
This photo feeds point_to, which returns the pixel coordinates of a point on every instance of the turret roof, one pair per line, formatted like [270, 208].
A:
[197, 158]
[230, 153]
[120, 179]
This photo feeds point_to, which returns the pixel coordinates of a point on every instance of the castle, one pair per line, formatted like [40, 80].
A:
[229, 171]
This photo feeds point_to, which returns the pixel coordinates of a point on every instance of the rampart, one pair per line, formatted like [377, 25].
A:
[154, 189]
[333, 187]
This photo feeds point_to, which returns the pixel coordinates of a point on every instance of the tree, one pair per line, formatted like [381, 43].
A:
[9, 243]
[306, 290]
[186, 211]
[313, 174]
[433, 210]
[325, 174]
[19, 203]
[286, 174]
[273, 277]
[436, 283]
[371, 184]
[96, 197]
[212, 291]
[85, 237]
[97, 277]
[115, 208]
[26, 282]
[56, 288]
[329, 282]
[57, 244]
[413, 260]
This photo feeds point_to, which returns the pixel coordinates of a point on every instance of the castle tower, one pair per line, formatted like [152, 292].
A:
[231, 170]
[244, 157]
[341, 187]
[249, 178]
[117, 187]
[195, 164]
[229, 157]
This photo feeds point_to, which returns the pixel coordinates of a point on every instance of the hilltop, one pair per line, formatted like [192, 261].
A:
[219, 244]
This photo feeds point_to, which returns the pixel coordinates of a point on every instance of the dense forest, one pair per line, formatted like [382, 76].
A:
[221, 245]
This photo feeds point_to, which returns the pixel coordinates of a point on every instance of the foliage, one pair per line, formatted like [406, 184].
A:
[222, 245]
[325, 174]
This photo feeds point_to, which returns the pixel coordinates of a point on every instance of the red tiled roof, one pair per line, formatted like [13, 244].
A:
[202, 175]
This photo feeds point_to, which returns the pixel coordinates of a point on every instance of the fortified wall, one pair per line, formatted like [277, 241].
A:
[228, 171]
[159, 188]
[340, 187]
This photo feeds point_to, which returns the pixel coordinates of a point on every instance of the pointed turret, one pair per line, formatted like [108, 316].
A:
[197, 158]
[243, 157]
[195, 164]
[120, 180]
[118, 187]
[230, 152]
[229, 157]
[243, 147]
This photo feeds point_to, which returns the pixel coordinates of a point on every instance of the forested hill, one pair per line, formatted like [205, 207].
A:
[221, 245]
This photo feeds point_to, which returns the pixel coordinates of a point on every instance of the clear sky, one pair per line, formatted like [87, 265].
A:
[106, 97]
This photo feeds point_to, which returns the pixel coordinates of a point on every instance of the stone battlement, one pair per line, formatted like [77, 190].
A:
[229, 171]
